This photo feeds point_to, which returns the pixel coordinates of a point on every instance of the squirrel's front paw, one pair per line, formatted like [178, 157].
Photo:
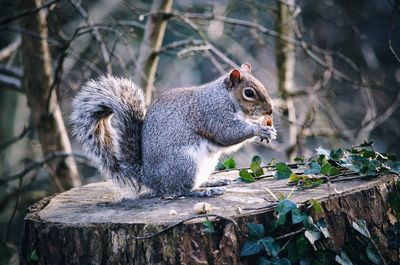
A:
[267, 132]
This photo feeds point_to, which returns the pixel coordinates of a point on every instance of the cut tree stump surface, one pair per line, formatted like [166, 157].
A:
[93, 203]
[87, 226]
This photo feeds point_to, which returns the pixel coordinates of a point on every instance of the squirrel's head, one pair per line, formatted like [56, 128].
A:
[249, 92]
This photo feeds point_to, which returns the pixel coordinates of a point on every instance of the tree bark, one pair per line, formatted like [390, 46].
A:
[285, 61]
[37, 81]
[148, 54]
[86, 226]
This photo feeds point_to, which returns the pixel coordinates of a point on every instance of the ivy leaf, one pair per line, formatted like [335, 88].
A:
[256, 231]
[263, 261]
[361, 227]
[312, 236]
[282, 171]
[343, 259]
[314, 169]
[393, 236]
[208, 227]
[285, 206]
[299, 159]
[395, 168]
[352, 167]
[323, 228]
[329, 170]
[245, 176]
[372, 254]
[256, 159]
[301, 245]
[297, 216]
[230, 163]
[316, 205]
[336, 154]
[34, 257]
[250, 247]
[280, 261]
[322, 151]
[294, 178]
[256, 168]
[220, 166]
[269, 244]
[366, 143]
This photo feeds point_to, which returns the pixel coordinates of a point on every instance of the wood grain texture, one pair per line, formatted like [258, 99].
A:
[87, 226]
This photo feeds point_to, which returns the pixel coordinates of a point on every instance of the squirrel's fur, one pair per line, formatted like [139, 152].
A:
[172, 148]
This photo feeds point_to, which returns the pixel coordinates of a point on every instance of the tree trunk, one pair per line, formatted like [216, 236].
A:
[285, 61]
[148, 54]
[46, 114]
[86, 226]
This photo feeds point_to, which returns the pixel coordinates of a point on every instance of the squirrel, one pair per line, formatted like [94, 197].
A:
[173, 148]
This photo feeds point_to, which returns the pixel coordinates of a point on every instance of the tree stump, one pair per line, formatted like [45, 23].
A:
[86, 226]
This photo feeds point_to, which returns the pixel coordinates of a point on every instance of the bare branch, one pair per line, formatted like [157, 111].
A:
[50, 157]
[16, 139]
[390, 33]
[10, 49]
[28, 12]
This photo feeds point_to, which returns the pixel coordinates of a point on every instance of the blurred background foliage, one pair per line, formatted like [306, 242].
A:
[337, 61]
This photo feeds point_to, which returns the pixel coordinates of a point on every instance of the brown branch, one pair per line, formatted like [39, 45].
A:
[10, 49]
[390, 33]
[151, 44]
[38, 164]
[16, 139]
[27, 12]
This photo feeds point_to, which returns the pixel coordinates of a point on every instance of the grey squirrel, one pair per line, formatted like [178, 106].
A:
[173, 148]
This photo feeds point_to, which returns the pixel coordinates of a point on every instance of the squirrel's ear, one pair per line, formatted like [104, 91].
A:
[246, 68]
[234, 76]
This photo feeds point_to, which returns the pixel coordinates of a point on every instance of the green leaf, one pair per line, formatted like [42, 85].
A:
[208, 227]
[34, 256]
[323, 228]
[372, 254]
[256, 168]
[366, 143]
[312, 236]
[263, 261]
[393, 236]
[285, 206]
[322, 151]
[329, 170]
[298, 216]
[269, 245]
[245, 176]
[343, 259]
[256, 159]
[280, 261]
[395, 167]
[230, 163]
[301, 245]
[220, 166]
[316, 205]
[250, 247]
[282, 171]
[295, 178]
[361, 227]
[336, 154]
[256, 231]
[299, 159]
[314, 168]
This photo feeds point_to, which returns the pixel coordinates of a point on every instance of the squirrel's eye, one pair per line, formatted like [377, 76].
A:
[249, 93]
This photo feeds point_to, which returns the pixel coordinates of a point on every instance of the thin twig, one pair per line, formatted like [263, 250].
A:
[186, 220]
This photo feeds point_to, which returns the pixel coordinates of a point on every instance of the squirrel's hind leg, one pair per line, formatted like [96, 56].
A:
[207, 192]
[216, 182]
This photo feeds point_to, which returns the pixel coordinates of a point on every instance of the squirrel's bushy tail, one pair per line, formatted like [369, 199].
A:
[107, 120]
